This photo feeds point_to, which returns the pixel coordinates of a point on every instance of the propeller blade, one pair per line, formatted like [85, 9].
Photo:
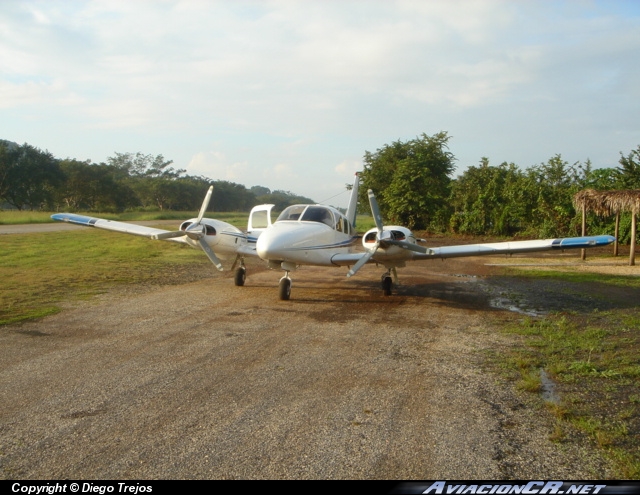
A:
[168, 235]
[210, 254]
[205, 204]
[375, 211]
[363, 261]
[408, 245]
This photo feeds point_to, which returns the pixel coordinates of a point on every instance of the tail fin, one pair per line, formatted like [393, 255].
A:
[352, 210]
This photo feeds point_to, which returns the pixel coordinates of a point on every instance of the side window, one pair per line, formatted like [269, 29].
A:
[342, 225]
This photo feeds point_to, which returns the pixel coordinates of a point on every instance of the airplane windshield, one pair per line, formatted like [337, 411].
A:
[292, 213]
[318, 214]
[307, 214]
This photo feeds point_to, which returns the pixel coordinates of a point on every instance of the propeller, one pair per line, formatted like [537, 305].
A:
[196, 231]
[378, 219]
[383, 238]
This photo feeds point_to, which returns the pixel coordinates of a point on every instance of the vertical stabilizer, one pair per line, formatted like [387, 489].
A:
[352, 210]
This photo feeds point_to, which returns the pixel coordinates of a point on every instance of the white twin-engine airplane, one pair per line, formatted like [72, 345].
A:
[318, 235]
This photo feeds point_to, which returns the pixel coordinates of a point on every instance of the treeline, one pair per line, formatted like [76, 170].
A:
[34, 179]
[414, 187]
[412, 180]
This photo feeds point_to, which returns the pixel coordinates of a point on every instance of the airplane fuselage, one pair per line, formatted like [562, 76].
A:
[306, 235]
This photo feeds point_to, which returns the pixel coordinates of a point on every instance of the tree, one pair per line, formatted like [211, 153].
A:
[488, 200]
[140, 165]
[28, 177]
[554, 184]
[94, 187]
[629, 170]
[282, 199]
[260, 190]
[411, 180]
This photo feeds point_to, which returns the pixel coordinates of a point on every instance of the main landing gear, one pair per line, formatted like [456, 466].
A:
[240, 275]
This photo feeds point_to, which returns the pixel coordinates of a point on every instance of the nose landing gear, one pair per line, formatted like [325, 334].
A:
[284, 289]
[387, 281]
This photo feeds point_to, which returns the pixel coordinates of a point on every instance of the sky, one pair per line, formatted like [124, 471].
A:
[290, 94]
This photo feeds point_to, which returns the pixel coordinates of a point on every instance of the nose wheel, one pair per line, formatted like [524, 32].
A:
[387, 281]
[387, 284]
[284, 289]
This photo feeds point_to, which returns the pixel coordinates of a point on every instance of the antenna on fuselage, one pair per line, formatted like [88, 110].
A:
[352, 209]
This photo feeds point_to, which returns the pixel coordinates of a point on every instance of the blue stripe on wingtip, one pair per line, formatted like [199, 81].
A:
[583, 242]
[77, 219]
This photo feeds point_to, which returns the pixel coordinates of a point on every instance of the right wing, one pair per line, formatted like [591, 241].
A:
[125, 228]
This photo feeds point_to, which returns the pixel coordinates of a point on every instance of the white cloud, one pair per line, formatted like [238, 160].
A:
[215, 165]
[288, 89]
[348, 168]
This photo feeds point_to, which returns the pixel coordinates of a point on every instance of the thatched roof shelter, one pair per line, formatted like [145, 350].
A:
[607, 203]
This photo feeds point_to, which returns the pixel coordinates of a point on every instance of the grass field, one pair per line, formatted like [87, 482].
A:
[593, 359]
[23, 217]
[40, 271]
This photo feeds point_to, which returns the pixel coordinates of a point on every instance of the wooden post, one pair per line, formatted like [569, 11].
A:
[584, 228]
[617, 234]
[632, 253]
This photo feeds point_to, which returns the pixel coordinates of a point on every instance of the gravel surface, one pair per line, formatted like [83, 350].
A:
[209, 380]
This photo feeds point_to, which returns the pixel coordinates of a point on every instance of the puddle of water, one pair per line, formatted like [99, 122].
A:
[504, 303]
[548, 391]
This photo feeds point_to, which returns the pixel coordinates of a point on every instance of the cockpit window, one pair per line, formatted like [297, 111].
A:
[291, 213]
[318, 214]
[307, 213]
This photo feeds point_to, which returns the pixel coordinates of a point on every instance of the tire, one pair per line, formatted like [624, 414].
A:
[285, 289]
[387, 283]
[240, 276]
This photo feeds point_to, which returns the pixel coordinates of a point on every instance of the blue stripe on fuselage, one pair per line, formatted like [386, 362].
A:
[345, 243]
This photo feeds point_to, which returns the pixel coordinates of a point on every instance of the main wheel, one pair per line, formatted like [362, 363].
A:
[285, 289]
[387, 283]
[240, 276]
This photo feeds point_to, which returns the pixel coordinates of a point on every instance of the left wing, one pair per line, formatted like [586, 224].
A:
[475, 250]
[514, 247]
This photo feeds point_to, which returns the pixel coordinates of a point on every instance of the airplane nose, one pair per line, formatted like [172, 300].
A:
[268, 245]
[262, 246]
[276, 242]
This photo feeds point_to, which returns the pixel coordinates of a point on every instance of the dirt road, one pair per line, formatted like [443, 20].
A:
[209, 380]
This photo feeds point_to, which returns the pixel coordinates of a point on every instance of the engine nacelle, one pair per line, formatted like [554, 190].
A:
[222, 236]
[392, 232]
